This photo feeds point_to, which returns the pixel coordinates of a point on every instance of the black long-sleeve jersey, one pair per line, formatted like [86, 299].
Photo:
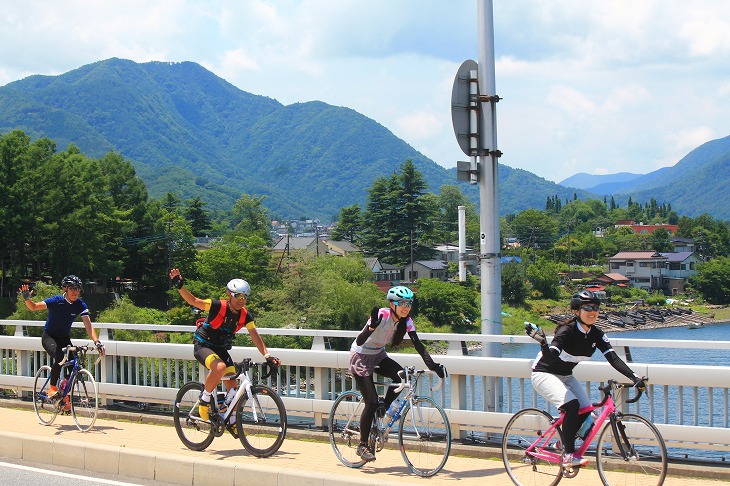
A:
[571, 345]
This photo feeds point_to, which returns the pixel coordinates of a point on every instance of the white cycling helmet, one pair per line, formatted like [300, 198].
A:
[239, 286]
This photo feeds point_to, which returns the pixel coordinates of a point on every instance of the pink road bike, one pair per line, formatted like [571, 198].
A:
[629, 449]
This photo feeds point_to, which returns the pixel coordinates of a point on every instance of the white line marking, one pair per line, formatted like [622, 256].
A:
[65, 475]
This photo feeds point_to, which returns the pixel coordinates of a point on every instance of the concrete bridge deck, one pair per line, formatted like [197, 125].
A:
[128, 444]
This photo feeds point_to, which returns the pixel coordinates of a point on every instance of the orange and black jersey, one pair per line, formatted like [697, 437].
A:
[222, 324]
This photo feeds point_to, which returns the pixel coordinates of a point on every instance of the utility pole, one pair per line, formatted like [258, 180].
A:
[474, 116]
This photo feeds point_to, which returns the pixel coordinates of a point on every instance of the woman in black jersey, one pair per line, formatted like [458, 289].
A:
[575, 340]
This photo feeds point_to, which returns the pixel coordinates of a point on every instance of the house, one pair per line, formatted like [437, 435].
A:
[678, 268]
[683, 244]
[425, 269]
[287, 244]
[449, 252]
[646, 229]
[384, 272]
[643, 268]
[613, 279]
[341, 247]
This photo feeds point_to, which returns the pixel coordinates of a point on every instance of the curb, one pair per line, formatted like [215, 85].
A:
[167, 468]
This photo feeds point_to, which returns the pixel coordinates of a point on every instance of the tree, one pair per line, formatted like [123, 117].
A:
[237, 257]
[349, 226]
[514, 286]
[532, 227]
[713, 280]
[448, 304]
[397, 221]
[660, 241]
[251, 218]
[544, 278]
[198, 217]
[327, 292]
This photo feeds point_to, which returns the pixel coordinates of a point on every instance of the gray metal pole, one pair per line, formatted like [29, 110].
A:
[490, 266]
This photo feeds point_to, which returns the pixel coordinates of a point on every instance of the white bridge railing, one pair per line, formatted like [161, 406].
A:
[689, 404]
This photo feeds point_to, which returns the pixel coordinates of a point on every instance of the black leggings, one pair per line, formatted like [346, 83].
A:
[389, 368]
[54, 346]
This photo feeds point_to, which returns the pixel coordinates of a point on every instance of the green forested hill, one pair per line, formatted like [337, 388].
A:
[189, 132]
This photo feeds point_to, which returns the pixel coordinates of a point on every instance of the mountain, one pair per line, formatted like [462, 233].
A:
[699, 183]
[600, 184]
[190, 132]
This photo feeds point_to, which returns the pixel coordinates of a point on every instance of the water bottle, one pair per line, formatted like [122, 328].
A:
[229, 397]
[587, 426]
[221, 401]
[393, 409]
[62, 387]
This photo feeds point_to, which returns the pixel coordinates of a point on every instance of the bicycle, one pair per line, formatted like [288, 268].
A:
[77, 395]
[629, 450]
[424, 433]
[259, 413]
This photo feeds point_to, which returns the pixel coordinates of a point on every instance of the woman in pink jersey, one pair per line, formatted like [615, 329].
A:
[385, 326]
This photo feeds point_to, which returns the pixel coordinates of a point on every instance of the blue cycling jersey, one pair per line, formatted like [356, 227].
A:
[61, 314]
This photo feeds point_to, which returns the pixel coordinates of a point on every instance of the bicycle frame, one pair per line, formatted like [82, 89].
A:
[243, 378]
[244, 387]
[409, 379]
[74, 364]
[539, 448]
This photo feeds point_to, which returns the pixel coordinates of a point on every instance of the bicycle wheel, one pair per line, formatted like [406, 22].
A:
[530, 458]
[45, 409]
[344, 427]
[632, 453]
[192, 430]
[263, 434]
[424, 436]
[84, 400]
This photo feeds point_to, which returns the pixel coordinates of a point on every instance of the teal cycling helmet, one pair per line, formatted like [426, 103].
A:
[399, 293]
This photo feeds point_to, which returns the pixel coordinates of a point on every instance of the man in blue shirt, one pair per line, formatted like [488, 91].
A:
[62, 312]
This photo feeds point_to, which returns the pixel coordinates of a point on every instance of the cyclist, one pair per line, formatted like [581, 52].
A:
[575, 340]
[62, 311]
[214, 337]
[385, 326]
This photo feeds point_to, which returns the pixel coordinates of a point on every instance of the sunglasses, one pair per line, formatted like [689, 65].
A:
[73, 287]
[403, 303]
[590, 307]
[240, 295]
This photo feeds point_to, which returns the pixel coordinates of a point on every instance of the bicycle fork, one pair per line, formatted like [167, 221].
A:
[628, 452]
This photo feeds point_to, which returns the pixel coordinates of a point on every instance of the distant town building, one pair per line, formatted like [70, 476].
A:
[341, 248]
[425, 269]
[646, 229]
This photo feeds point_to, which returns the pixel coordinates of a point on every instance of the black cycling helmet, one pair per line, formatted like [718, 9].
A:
[583, 297]
[71, 280]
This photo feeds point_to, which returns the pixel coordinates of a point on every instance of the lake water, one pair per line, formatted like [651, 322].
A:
[710, 357]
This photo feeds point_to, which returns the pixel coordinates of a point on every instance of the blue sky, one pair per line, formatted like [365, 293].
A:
[596, 87]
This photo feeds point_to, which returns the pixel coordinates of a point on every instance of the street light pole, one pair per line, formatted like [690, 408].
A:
[491, 270]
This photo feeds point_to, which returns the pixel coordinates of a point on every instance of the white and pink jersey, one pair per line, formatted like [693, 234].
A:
[382, 335]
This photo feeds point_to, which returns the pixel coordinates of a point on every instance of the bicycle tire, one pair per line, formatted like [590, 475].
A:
[344, 428]
[523, 430]
[45, 409]
[424, 436]
[84, 400]
[263, 436]
[193, 432]
[645, 461]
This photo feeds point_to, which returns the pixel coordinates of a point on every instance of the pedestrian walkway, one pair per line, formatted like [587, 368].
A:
[153, 451]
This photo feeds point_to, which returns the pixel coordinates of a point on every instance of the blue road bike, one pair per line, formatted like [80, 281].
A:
[77, 395]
